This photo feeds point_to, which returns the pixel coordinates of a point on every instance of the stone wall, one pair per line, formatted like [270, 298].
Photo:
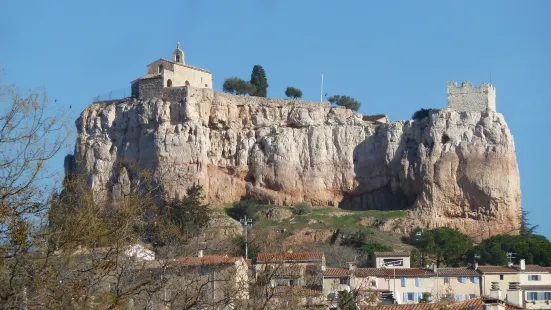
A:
[149, 88]
[174, 94]
[467, 98]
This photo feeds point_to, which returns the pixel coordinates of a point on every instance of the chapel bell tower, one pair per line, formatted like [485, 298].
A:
[178, 54]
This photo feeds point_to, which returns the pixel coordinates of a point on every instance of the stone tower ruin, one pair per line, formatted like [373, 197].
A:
[467, 98]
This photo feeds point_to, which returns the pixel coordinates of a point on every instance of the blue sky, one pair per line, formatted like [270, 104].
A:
[393, 56]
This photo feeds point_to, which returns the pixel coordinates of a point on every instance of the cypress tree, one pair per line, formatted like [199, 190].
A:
[259, 81]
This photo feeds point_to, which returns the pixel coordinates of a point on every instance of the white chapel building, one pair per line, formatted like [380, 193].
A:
[164, 73]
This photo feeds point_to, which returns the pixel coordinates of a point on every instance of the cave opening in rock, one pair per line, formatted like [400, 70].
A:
[445, 139]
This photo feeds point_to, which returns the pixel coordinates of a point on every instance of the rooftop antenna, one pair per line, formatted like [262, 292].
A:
[510, 256]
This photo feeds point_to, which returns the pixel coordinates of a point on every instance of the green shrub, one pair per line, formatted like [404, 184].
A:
[370, 248]
[420, 114]
[302, 209]
[293, 92]
[244, 208]
[345, 101]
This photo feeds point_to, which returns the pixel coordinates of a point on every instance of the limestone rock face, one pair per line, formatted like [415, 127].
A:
[450, 169]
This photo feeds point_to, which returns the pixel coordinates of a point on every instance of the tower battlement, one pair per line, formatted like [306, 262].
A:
[467, 98]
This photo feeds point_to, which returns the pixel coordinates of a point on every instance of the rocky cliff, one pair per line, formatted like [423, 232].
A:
[453, 169]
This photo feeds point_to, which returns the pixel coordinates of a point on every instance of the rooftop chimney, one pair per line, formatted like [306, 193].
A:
[514, 294]
[434, 267]
[351, 266]
[494, 291]
[200, 253]
[522, 264]
[492, 304]
[475, 266]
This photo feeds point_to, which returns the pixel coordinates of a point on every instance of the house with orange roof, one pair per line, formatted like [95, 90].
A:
[533, 280]
[213, 281]
[478, 303]
[292, 268]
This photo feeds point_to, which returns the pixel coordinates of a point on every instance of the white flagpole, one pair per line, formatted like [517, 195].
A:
[321, 93]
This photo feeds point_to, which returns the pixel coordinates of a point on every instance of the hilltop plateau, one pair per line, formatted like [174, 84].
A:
[451, 168]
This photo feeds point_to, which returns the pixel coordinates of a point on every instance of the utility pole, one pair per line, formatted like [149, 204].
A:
[392, 263]
[246, 223]
[321, 92]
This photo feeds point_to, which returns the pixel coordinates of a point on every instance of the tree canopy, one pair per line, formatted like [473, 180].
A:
[527, 228]
[292, 92]
[345, 101]
[535, 249]
[448, 244]
[189, 214]
[259, 81]
[237, 86]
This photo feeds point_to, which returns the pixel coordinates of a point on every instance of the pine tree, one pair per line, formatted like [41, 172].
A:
[259, 81]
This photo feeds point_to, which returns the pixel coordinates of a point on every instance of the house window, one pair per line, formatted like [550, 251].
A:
[532, 295]
[501, 277]
[344, 281]
[178, 57]
[461, 279]
[161, 68]
[547, 295]
[471, 296]
[404, 282]
[534, 278]
[187, 83]
[417, 281]
[169, 83]
[393, 262]
[446, 280]
[282, 282]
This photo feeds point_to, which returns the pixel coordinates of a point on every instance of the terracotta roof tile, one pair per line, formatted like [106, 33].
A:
[390, 272]
[369, 272]
[180, 64]
[336, 272]
[295, 291]
[512, 269]
[207, 260]
[457, 272]
[391, 254]
[475, 303]
[496, 269]
[533, 268]
[289, 271]
[290, 256]
[149, 76]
